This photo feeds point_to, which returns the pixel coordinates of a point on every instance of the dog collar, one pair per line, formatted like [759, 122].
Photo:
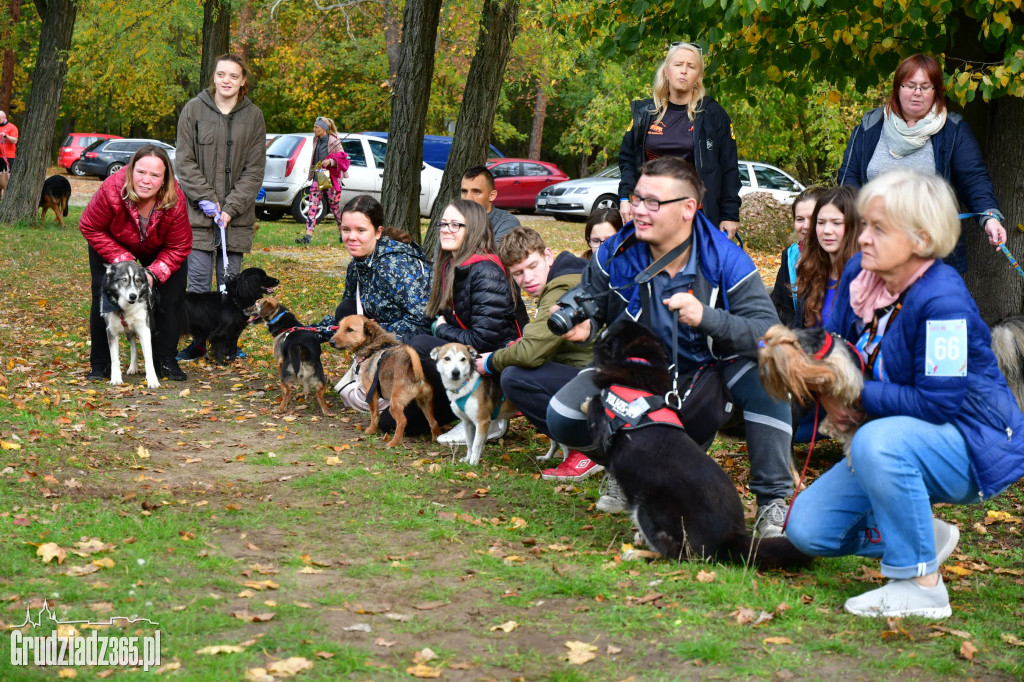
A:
[825, 349]
[277, 317]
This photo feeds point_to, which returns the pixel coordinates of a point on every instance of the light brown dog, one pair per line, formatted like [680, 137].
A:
[297, 351]
[5, 179]
[399, 369]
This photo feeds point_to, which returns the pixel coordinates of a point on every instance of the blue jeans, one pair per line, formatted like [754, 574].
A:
[883, 507]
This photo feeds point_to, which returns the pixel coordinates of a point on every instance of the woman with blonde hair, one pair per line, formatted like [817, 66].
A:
[943, 419]
[681, 119]
[329, 156]
[140, 213]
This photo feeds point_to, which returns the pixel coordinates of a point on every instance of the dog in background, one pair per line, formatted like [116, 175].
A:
[126, 304]
[297, 351]
[795, 364]
[683, 503]
[476, 400]
[218, 320]
[387, 369]
[1008, 345]
[5, 179]
[55, 197]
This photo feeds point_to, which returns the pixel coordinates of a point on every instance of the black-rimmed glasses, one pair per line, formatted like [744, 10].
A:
[911, 87]
[449, 226]
[651, 203]
[595, 242]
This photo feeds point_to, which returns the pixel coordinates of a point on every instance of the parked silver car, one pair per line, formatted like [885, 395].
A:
[575, 199]
[286, 177]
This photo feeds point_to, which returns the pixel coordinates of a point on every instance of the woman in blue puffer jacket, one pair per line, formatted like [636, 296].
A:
[916, 130]
[945, 426]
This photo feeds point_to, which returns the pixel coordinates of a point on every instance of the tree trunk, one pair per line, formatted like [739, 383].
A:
[22, 196]
[498, 27]
[7, 77]
[392, 36]
[245, 31]
[216, 37]
[540, 112]
[400, 193]
[997, 287]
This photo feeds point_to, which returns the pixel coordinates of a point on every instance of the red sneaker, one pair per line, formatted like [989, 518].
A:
[576, 467]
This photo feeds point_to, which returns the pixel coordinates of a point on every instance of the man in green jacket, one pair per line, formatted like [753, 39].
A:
[538, 364]
[220, 157]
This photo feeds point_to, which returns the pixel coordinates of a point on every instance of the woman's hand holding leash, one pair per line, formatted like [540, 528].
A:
[995, 231]
[481, 364]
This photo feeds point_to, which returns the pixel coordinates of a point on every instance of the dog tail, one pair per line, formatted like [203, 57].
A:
[768, 553]
[1008, 346]
[295, 358]
[414, 360]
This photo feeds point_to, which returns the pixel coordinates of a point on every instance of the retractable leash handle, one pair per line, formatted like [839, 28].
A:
[210, 209]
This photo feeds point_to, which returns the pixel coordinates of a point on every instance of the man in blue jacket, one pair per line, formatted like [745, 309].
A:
[712, 294]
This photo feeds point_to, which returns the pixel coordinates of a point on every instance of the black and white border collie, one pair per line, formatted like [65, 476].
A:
[128, 310]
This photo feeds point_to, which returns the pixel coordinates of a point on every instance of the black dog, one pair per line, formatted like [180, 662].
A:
[55, 197]
[683, 503]
[220, 319]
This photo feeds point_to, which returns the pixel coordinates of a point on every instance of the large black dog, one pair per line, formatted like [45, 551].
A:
[217, 320]
[683, 503]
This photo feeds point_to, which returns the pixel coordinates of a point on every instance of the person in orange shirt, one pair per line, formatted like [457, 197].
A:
[8, 142]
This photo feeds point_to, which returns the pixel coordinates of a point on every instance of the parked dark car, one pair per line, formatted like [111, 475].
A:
[436, 148]
[519, 180]
[74, 145]
[104, 157]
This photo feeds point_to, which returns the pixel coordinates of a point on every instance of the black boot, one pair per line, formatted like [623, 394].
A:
[98, 373]
[304, 239]
[167, 368]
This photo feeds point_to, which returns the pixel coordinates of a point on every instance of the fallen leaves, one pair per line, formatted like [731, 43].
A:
[260, 585]
[50, 551]
[968, 650]
[580, 652]
[506, 627]
[249, 617]
[220, 649]
[279, 669]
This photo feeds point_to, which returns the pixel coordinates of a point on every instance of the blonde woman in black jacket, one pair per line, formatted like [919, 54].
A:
[682, 120]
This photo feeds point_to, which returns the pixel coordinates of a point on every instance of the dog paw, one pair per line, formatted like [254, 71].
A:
[132, 369]
[152, 383]
[116, 380]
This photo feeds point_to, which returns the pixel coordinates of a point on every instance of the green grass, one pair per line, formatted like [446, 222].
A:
[390, 530]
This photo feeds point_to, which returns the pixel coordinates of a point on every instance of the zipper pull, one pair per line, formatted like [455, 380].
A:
[1009, 433]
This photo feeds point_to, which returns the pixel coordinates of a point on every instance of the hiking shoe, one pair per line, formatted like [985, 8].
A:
[98, 374]
[305, 239]
[576, 467]
[946, 537]
[612, 499]
[168, 369]
[770, 518]
[902, 598]
[457, 436]
[193, 351]
[239, 353]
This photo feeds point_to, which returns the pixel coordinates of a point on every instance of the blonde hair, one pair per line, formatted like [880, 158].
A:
[919, 204]
[660, 89]
[332, 129]
[168, 194]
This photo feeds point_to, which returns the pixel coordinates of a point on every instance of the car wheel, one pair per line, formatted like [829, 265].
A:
[114, 167]
[605, 201]
[269, 214]
[300, 207]
[76, 169]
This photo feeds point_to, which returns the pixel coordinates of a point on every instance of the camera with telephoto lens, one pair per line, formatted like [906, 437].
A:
[576, 306]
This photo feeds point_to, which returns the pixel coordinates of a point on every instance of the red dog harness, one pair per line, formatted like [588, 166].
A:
[631, 408]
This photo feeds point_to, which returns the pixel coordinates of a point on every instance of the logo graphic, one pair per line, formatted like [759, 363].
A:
[65, 647]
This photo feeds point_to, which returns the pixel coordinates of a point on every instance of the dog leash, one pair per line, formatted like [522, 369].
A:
[210, 209]
[807, 462]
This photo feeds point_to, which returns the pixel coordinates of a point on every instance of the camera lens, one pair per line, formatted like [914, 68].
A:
[561, 321]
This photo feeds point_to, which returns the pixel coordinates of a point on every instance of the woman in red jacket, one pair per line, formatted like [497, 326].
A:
[139, 213]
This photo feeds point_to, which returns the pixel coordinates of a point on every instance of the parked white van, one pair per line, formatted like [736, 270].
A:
[286, 183]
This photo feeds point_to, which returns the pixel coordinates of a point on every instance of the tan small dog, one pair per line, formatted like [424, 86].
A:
[476, 400]
[398, 367]
[297, 351]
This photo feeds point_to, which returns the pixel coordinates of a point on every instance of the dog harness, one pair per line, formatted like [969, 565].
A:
[628, 409]
[461, 401]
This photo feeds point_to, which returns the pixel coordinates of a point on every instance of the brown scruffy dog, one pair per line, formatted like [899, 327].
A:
[390, 370]
[795, 364]
[297, 351]
[683, 503]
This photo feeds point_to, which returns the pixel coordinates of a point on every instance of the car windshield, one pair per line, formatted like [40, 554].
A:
[282, 147]
[609, 172]
[95, 144]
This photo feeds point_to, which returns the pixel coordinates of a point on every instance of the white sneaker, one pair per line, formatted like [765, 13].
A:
[457, 436]
[612, 500]
[771, 518]
[946, 537]
[902, 598]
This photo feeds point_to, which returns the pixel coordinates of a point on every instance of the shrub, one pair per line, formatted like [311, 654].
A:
[765, 223]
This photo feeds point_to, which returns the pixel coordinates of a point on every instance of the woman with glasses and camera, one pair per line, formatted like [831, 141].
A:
[915, 130]
[601, 226]
[473, 301]
[682, 120]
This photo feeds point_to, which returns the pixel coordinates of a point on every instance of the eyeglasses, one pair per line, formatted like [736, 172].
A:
[651, 203]
[596, 242]
[695, 46]
[910, 87]
[451, 227]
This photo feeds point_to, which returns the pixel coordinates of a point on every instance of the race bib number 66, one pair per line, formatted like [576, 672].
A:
[947, 348]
